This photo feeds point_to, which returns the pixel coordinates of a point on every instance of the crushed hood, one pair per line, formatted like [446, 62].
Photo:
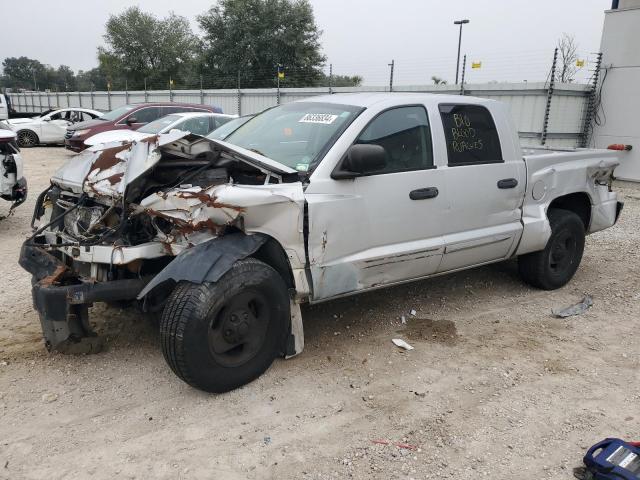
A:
[106, 169]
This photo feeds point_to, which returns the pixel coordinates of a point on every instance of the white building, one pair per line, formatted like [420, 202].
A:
[619, 113]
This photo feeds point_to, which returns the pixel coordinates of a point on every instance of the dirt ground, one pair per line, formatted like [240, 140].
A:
[496, 387]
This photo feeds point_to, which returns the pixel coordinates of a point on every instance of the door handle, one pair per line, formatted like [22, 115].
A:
[423, 193]
[507, 183]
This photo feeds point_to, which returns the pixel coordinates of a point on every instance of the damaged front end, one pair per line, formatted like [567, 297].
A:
[117, 215]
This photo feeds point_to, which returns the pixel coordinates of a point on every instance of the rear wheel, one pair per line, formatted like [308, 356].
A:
[220, 336]
[554, 266]
[27, 139]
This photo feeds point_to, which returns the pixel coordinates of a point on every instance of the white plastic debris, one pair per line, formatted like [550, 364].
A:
[403, 319]
[413, 313]
[576, 309]
[398, 342]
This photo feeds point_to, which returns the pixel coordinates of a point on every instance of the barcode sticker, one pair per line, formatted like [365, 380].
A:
[324, 118]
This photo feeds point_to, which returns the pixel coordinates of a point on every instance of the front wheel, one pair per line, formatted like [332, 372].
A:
[220, 336]
[27, 139]
[554, 266]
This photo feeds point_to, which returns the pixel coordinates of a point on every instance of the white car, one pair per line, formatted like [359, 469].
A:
[13, 186]
[199, 123]
[49, 127]
[309, 201]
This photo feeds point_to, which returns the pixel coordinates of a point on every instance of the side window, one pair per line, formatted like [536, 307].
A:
[198, 125]
[146, 115]
[405, 135]
[58, 116]
[471, 135]
[170, 110]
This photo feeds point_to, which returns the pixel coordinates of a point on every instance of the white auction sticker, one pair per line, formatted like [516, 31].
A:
[324, 118]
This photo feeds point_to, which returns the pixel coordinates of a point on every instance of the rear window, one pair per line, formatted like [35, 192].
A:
[471, 135]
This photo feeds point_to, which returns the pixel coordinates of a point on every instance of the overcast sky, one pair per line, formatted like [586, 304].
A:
[514, 39]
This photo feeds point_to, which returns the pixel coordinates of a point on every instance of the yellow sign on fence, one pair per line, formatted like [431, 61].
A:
[476, 64]
[579, 63]
[280, 75]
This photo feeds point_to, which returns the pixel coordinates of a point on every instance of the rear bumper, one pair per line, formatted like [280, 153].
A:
[62, 300]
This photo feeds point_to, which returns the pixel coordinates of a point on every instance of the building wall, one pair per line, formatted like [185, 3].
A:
[619, 112]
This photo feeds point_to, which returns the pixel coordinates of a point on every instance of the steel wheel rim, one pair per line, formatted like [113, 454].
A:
[562, 252]
[238, 330]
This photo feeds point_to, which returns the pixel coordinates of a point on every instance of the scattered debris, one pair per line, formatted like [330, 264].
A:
[413, 313]
[267, 440]
[577, 309]
[398, 342]
[403, 319]
[49, 397]
[404, 446]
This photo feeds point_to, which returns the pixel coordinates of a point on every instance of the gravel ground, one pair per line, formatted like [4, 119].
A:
[496, 387]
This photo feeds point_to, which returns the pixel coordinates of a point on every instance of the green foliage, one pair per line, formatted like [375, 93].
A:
[243, 41]
[252, 37]
[141, 46]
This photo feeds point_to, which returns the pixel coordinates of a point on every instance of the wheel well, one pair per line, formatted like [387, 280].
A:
[578, 203]
[274, 255]
[28, 130]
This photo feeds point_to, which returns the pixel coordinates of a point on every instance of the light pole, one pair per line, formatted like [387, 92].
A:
[459, 22]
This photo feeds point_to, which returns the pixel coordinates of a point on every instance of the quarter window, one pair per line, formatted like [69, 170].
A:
[405, 135]
[471, 135]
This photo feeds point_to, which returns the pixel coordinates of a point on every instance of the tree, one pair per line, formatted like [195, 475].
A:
[141, 46]
[23, 72]
[254, 39]
[568, 54]
[438, 81]
[342, 81]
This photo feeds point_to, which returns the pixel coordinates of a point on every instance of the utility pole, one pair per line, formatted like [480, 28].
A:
[278, 93]
[392, 65]
[459, 22]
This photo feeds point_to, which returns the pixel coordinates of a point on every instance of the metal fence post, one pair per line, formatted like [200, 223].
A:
[126, 91]
[464, 68]
[92, 99]
[57, 99]
[392, 65]
[145, 90]
[109, 98]
[330, 78]
[201, 92]
[552, 81]
[79, 98]
[40, 100]
[170, 89]
[239, 96]
[48, 100]
[590, 100]
[278, 87]
[68, 99]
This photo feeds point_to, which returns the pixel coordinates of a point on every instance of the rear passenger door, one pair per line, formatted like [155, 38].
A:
[485, 189]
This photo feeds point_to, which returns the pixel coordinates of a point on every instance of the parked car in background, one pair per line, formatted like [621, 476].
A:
[13, 186]
[4, 107]
[49, 127]
[229, 127]
[128, 117]
[192, 122]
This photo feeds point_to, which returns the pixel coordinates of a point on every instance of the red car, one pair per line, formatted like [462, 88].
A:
[127, 117]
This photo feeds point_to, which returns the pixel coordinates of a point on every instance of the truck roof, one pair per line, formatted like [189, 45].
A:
[369, 99]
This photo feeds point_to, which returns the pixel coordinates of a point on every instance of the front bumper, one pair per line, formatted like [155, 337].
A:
[74, 144]
[62, 300]
[18, 193]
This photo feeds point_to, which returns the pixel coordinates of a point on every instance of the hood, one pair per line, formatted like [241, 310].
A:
[106, 169]
[87, 124]
[18, 121]
[116, 136]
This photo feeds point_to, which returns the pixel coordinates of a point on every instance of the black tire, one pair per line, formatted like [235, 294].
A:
[246, 312]
[554, 266]
[27, 139]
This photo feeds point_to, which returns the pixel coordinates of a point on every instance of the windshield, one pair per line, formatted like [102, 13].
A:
[295, 134]
[117, 113]
[160, 124]
[223, 132]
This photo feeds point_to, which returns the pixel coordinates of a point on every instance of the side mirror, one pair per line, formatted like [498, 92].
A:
[131, 120]
[361, 159]
[46, 119]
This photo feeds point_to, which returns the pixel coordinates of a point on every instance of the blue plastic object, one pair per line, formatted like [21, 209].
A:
[613, 459]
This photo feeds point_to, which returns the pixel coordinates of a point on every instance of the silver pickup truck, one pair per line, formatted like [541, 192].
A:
[305, 202]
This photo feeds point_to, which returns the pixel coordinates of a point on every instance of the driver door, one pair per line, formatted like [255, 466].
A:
[55, 126]
[384, 227]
